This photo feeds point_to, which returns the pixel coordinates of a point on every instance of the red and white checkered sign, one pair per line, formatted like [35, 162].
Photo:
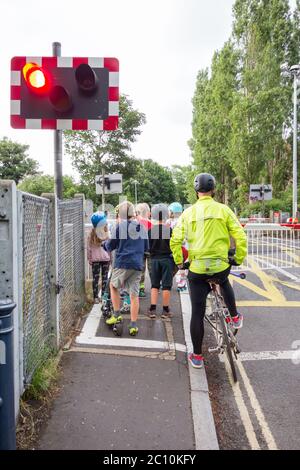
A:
[51, 63]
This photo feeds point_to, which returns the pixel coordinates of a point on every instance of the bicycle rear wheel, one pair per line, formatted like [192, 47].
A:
[227, 344]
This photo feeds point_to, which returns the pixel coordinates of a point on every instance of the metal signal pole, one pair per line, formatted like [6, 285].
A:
[58, 183]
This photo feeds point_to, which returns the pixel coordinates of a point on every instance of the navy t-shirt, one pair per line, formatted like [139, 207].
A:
[130, 240]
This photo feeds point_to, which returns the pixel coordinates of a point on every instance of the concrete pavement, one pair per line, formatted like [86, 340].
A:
[131, 393]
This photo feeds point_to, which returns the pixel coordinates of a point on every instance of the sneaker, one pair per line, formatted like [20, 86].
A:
[113, 320]
[166, 315]
[133, 330]
[151, 313]
[196, 360]
[238, 321]
[142, 293]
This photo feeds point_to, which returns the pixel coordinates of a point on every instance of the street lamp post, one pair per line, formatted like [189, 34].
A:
[294, 72]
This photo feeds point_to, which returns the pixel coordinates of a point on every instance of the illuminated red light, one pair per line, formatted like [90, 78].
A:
[36, 78]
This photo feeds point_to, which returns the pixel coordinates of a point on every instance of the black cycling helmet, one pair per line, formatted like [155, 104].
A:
[204, 182]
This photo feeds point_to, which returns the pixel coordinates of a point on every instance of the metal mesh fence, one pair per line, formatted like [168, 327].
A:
[36, 282]
[71, 262]
[271, 246]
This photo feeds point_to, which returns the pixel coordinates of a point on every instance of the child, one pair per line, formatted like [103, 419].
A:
[162, 264]
[175, 211]
[130, 241]
[98, 258]
[143, 217]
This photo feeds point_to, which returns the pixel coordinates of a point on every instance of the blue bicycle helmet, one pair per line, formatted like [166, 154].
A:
[98, 219]
[176, 208]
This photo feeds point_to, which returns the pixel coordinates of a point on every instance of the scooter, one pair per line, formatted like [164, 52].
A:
[107, 309]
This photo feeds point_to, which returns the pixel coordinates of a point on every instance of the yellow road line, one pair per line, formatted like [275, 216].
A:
[244, 414]
[272, 290]
[242, 408]
[286, 283]
[268, 303]
[257, 409]
[254, 288]
[294, 257]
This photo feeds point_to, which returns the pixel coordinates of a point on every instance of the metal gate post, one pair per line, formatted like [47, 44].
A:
[7, 396]
[9, 273]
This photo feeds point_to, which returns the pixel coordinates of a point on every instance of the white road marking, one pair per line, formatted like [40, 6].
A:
[265, 356]
[183, 348]
[89, 331]
[91, 324]
[257, 409]
[123, 342]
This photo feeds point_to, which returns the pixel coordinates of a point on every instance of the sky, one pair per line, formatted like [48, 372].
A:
[161, 46]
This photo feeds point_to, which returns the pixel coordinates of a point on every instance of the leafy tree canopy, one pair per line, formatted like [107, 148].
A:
[14, 161]
[39, 184]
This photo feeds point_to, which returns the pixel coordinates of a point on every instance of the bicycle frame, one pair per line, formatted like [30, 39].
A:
[220, 321]
[220, 311]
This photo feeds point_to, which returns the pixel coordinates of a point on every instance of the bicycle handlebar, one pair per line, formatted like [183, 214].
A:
[240, 275]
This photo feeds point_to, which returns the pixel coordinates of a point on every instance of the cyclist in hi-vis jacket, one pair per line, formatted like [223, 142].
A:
[208, 226]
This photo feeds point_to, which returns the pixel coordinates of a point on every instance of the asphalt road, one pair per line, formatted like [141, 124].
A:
[262, 410]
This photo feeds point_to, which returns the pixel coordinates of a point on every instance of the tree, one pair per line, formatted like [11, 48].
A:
[263, 33]
[155, 183]
[242, 116]
[90, 151]
[45, 184]
[213, 102]
[14, 161]
[181, 179]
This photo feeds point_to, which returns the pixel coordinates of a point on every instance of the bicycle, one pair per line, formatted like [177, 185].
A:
[220, 320]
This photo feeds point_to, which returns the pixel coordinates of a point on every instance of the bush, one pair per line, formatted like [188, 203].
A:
[265, 208]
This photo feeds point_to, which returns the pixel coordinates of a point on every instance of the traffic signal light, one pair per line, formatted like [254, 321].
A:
[64, 93]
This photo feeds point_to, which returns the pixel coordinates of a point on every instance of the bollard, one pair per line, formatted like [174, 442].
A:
[7, 401]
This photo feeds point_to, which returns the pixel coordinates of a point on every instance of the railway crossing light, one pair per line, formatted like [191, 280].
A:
[64, 93]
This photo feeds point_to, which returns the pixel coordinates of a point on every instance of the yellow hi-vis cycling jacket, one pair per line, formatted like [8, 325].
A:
[207, 227]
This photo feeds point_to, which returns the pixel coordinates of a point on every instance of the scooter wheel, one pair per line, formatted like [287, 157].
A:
[118, 329]
[105, 313]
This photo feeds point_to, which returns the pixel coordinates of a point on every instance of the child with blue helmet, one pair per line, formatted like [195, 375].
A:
[98, 258]
[175, 211]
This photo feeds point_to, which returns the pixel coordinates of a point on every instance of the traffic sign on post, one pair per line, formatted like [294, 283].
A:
[76, 93]
[260, 192]
[112, 184]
